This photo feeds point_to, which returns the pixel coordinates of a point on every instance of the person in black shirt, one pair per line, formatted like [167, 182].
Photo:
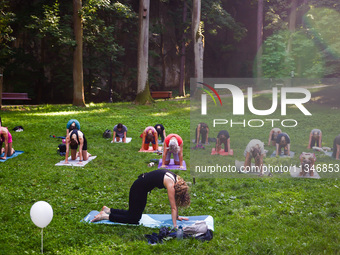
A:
[203, 131]
[160, 131]
[178, 194]
[283, 141]
[73, 139]
[223, 138]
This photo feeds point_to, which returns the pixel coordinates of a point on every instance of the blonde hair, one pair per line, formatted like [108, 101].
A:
[182, 196]
[173, 145]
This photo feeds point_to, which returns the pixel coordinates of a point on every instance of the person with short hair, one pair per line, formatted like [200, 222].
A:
[336, 147]
[223, 138]
[6, 139]
[202, 130]
[173, 144]
[160, 131]
[283, 142]
[178, 195]
[72, 124]
[119, 132]
[254, 149]
[273, 135]
[73, 140]
[150, 135]
[315, 138]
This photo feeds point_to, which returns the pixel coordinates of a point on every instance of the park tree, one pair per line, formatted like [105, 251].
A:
[78, 82]
[143, 90]
[198, 40]
[259, 38]
[6, 17]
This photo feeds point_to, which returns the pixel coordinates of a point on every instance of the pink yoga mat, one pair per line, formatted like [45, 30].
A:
[222, 152]
[150, 149]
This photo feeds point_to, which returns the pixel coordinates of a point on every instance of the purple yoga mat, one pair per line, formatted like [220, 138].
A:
[172, 165]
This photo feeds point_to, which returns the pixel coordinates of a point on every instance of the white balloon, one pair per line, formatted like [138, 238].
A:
[41, 214]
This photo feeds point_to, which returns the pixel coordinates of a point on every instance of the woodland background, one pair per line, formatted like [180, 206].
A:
[242, 38]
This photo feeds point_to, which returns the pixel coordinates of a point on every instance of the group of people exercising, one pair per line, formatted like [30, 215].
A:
[177, 189]
[255, 148]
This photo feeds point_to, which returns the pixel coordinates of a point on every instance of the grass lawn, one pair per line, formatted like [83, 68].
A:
[252, 215]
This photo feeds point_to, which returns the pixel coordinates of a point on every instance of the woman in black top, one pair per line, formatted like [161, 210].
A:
[178, 194]
[73, 139]
[223, 138]
[336, 147]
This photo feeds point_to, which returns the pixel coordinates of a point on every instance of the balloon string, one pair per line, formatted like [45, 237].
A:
[42, 241]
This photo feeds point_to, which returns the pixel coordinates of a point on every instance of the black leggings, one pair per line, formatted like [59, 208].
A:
[137, 202]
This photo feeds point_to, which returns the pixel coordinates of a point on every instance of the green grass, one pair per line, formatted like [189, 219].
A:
[252, 215]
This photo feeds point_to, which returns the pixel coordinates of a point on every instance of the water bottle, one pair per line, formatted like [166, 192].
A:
[180, 233]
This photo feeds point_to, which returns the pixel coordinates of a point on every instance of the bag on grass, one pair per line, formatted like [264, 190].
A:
[61, 149]
[107, 133]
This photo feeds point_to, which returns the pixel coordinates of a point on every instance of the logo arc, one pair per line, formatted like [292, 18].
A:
[211, 88]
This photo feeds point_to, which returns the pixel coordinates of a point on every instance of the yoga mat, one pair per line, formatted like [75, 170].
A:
[75, 162]
[157, 220]
[252, 170]
[326, 152]
[295, 173]
[128, 139]
[222, 152]
[16, 153]
[292, 153]
[172, 165]
[151, 149]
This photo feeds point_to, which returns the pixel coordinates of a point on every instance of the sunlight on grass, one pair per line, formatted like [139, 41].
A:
[68, 113]
[159, 114]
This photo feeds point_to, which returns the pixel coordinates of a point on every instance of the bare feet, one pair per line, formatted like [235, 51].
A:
[100, 216]
[106, 209]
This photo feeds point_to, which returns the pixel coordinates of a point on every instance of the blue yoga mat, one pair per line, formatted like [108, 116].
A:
[157, 220]
[292, 153]
[16, 153]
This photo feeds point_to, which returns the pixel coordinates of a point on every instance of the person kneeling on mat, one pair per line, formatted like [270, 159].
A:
[273, 136]
[283, 141]
[150, 135]
[6, 138]
[178, 194]
[75, 138]
[173, 143]
[336, 147]
[119, 132]
[254, 149]
[223, 138]
[307, 161]
[315, 138]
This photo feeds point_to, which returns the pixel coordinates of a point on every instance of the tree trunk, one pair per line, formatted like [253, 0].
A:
[259, 38]
[291, 28]
[78, 82]
[198, 40]
[1, 82]
[143, 92]
[182, 72]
